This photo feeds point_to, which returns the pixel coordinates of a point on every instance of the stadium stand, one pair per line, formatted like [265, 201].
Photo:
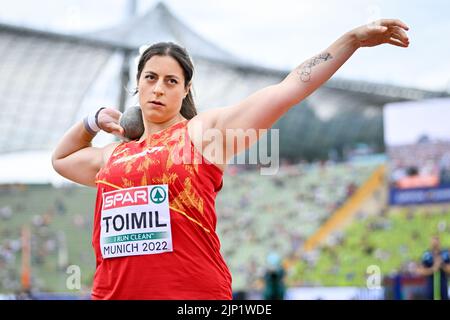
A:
[393, 240]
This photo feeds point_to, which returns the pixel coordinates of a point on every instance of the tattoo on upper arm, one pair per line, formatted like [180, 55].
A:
[304, 70]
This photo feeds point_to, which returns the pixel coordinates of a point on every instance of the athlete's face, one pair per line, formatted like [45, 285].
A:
[161, 89]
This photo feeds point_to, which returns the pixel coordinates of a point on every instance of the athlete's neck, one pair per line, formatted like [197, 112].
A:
[152, 127]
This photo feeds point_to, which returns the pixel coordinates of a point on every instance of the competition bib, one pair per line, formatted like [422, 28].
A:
[135, 221]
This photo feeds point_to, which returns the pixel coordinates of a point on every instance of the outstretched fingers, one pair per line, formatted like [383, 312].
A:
[399, 35]
[393, 23]
[397, 42]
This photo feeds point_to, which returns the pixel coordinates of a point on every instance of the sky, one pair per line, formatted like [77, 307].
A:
[279, 33]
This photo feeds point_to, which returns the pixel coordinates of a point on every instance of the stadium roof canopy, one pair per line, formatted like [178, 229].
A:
[160, 25]
[44, 76]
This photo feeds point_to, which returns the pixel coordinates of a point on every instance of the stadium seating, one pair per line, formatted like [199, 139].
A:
[394, 241]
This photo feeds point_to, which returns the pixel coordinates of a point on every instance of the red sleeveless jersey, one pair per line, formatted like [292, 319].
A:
[195, 269]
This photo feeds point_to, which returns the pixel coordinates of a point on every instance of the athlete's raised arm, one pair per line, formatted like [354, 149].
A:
[263, 108]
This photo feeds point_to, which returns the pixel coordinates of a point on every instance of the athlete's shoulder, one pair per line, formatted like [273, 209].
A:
[207, 118]
[111, 148]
